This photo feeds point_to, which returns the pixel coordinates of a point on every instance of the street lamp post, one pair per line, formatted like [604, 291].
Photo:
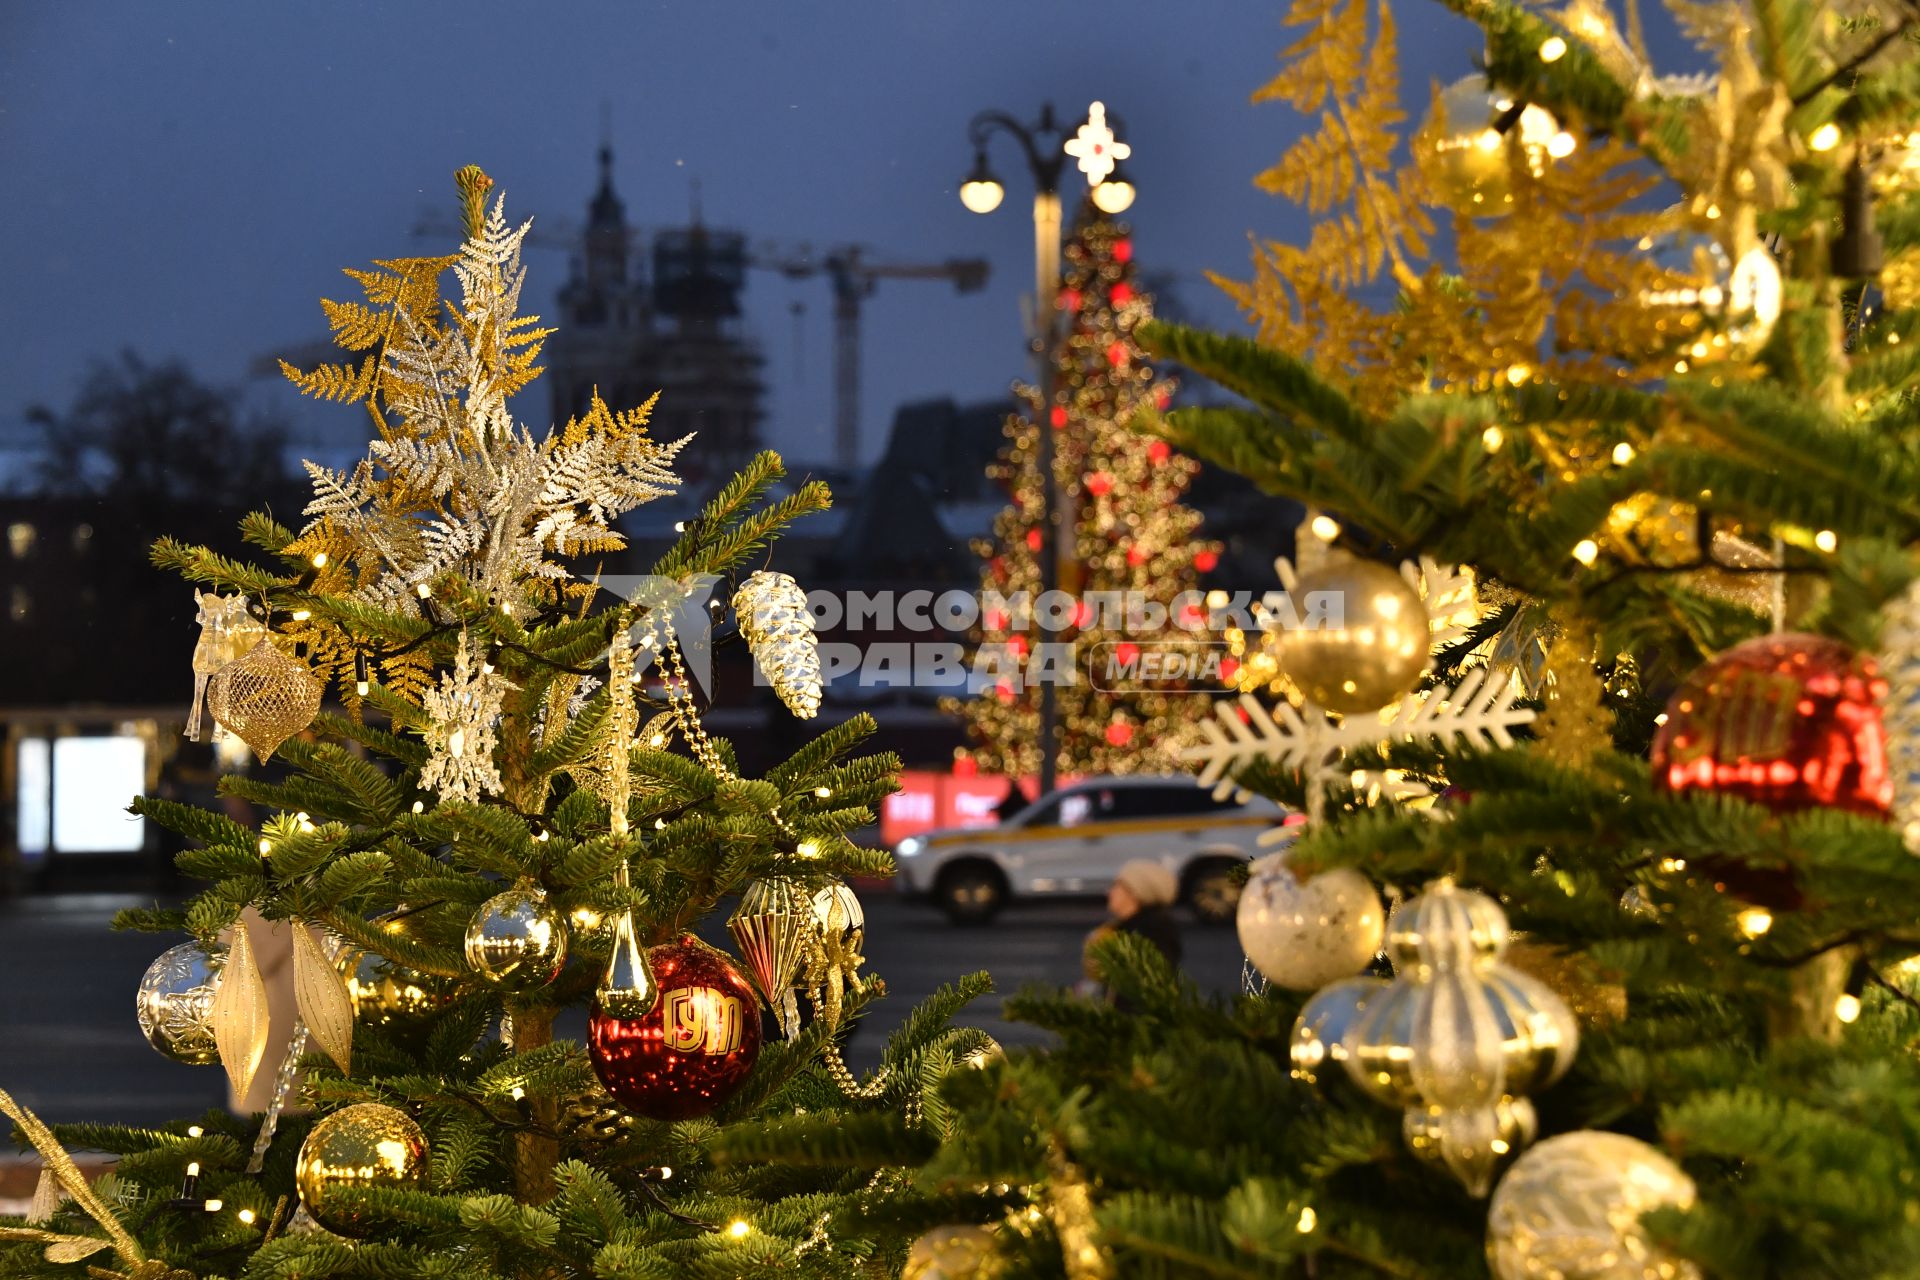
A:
[1098, 150]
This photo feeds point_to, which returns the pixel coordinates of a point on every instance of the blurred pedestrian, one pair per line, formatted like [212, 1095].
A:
[1140, 901]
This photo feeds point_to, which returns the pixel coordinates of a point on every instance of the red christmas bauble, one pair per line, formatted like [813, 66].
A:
[1229, 668]
[1136, 556]
[1122, 250]
[1116, 354]
[1789, 721]
[1119, 733]
[1033, 539]
[1070, 299]
[696, 1047]
[1126, 651]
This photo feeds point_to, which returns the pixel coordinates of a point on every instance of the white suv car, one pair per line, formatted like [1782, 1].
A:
[1075, 840]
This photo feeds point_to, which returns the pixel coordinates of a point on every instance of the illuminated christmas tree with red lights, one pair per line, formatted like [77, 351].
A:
[1130, 638]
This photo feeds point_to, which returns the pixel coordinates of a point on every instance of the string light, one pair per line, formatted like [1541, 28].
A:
[424, 590]
[1825, 138]
[1552, 49]
[266, 846]
[809, 849]
[1754, 921]
[1586, 551]
[738, 1228]
[193, 1168]
[1561, 145]
[1326, 528]
[419, 806]
[1308, 1220]
[194, 1131]
[1826, 540]
[319, 559]
[1622, 454]
[519, 1092]
[1492, 438]
[301, 615]
[1847, 1007]
[214, 1206]
[823, 792]
[245, 1216]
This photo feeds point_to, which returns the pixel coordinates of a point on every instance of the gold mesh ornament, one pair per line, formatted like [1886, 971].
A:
[779, 629]
[264, 698]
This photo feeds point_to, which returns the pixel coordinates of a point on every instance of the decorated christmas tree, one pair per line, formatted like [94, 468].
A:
[1129, 557]
[1598, 955]
[501, 826]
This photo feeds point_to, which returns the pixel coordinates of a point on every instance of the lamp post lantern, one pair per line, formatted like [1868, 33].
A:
[1096, 148]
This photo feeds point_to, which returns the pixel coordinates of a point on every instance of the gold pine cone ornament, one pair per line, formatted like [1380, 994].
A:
[778, 626]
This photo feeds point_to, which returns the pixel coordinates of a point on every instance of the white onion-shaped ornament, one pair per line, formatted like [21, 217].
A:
[1303, 936]
[1323, 1024]
[1363, 636]
[1570, 1209]
[517, 940]
[175, 1004]
[1457, 1035]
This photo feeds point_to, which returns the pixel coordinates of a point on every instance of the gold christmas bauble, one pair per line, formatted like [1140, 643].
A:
[1570, 1209]
[386, 994]
[264, 698]
[1362, 640]
[517, 939]
[1467, 158]
[175, 1004]
[950, 1253]
[366, 1145]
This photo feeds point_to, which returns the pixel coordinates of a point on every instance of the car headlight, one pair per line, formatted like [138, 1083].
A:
[909, 847]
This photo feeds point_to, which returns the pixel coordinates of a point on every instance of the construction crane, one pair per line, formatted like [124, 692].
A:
[854, 279]
[848, 270]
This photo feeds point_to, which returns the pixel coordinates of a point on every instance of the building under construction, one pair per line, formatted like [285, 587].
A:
[679, 333]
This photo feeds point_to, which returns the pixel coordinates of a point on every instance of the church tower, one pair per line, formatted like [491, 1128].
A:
[605, 316]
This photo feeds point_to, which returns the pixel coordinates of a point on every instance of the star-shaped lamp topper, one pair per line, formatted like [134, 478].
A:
[1095, 148]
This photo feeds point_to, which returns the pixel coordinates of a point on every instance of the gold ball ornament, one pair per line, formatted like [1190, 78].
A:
[517, 940]
[264, 698]
[950, 1253]
[1570, 1209]
[1323, 1024]
[387, 994]
[175, 1004]
[1468, 159]
[366, 1145]
[1304, 936]
[1362, 640]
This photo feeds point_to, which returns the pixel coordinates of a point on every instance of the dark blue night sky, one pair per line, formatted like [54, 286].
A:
[187, 179]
